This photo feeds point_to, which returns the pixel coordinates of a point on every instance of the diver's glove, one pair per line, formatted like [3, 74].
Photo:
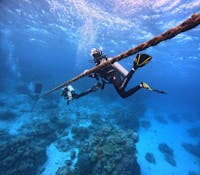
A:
[141, 60]
[146, 86]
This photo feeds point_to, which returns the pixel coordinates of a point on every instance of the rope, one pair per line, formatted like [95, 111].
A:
[188, 24]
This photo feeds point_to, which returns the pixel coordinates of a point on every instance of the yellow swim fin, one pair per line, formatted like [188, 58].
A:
[146, 86]
[141, 60]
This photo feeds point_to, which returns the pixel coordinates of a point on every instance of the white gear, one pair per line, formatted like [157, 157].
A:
[70, 88]
[69, 95]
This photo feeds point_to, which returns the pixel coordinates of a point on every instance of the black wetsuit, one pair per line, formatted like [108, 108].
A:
[75, 95]
[109, 74]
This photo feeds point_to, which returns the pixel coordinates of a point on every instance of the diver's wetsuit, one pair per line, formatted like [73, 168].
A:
[121, 87]
[111, 75]
[92, 89]
[74, 95]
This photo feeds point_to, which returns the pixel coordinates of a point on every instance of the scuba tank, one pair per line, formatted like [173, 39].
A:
[118, 67]
[70, 88]
[70, 91]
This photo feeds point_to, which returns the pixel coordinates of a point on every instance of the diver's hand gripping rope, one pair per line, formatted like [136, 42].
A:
[188, 24]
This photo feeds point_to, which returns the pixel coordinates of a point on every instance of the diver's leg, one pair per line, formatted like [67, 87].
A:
[121, 85]
[131, 91]
[140, 61]
[127, 79]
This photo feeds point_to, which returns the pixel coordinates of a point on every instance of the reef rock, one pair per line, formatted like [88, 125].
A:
[127, 121]
[109, 151]
[194, 132]
[7, 115]
[168, 153]
[193, 149]
[80, 133]
[175, 118]
[24, 154]
[161, 119]
[193, 173]
[21, 156]
[150, 158]
[145, 124]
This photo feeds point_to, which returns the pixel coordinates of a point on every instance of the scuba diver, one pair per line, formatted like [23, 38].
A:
[114, 74]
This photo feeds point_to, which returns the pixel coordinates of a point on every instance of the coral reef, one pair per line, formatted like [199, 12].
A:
[145, 124]
[4, 136]
[21, 155]
[22, 88]
[161, 119]
[59, 122]
[2, 103]
[96, 119]
[49, 105]
[174, 117]
[168, 153]
[194, 132]
[65, 144]
[193, 173]
[193, 149]
[24, 154]
[150, 158]
[7, 115]
[127, 122]
[109, 151]
[40, 130]
[80, 133]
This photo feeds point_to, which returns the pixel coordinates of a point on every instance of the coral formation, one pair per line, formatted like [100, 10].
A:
[96, 119]
[7, 115]
[22, 88]
[40, 130]
[127, 121]
[161, 119]
[168, 153]
[193, 149]
[24, 154]
[108, 151]
[145, 124]
[80, 133]
[175, 118]
[2, 103]
[150, 158]
[193, 173]
[4, 136]
[21, 155]
[194, 132]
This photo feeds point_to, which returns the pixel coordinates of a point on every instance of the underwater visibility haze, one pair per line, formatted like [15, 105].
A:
[47, 42]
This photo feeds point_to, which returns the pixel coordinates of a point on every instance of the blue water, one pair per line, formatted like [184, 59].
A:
[49, 42]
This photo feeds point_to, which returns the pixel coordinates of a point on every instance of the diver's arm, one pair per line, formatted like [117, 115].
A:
[91, 75]
[92, 89]
[94, 75]
[83, 93]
